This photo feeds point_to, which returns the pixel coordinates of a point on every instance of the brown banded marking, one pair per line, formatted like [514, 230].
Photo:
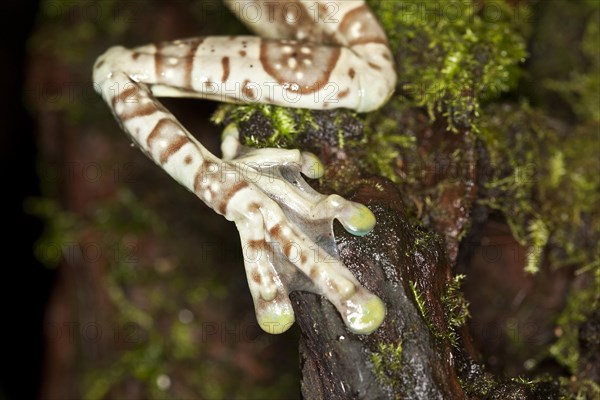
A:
[304, 64]
[323, 8]
[258, 245]
[176, 60]
[359, 26]
[144, 108]
[275, 232]
[343, 94]
[226, 197]
[225, 65]
[210, 84]
[134, 102]
[374, 66]
[254, 207]
[277, 23]
[256, 277]
[125, 96]
[157, 132]
[167, 133]
[173, 147]
[287, 249]
[247, 90]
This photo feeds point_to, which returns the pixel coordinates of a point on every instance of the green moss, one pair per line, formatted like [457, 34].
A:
[544, 180]
[419, 300]
[60, 225]
[475, 381]
[580, 304]
[456, 307]
[452, 57]
[422, 307]
[456, 310]
[582, 88]
[584, 389]
[183, 345]
[538, 239]
[543, 174]
[564, 75]
[385, 142]
[283, 125]
[143, 362]
[62, 237]
[387, 362]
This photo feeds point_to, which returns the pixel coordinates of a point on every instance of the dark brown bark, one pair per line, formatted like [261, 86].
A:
[339, 364]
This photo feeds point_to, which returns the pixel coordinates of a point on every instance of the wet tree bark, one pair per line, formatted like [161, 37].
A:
[402, 359]
[416, 353]
[407, 265]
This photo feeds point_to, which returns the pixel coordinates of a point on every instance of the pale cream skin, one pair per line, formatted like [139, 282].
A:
[321, 54]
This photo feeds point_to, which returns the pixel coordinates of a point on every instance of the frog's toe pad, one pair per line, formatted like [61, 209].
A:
[276, 316]
[365, 316]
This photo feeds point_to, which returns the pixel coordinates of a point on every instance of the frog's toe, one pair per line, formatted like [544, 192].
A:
[311, 166]
[356, 218]
[275, 316]
[363, 313]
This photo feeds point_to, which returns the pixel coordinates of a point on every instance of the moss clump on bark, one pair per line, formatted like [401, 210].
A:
[543, 178]
[451, 57]
[387, 362]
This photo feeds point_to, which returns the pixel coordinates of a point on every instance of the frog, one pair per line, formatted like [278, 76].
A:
[318, 55]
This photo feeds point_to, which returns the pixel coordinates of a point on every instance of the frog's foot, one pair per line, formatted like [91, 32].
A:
[279, 216]
[287, 237]
[264, 159]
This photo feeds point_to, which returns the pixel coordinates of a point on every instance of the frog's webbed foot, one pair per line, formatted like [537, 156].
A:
[284, 224]
[280, 217]
[287, 237]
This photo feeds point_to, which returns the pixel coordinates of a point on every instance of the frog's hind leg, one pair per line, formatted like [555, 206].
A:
[275, 210]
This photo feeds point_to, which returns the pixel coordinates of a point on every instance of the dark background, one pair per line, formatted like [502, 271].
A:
[25, 282]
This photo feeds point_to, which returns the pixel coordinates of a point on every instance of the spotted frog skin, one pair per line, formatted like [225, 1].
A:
[310, 54]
